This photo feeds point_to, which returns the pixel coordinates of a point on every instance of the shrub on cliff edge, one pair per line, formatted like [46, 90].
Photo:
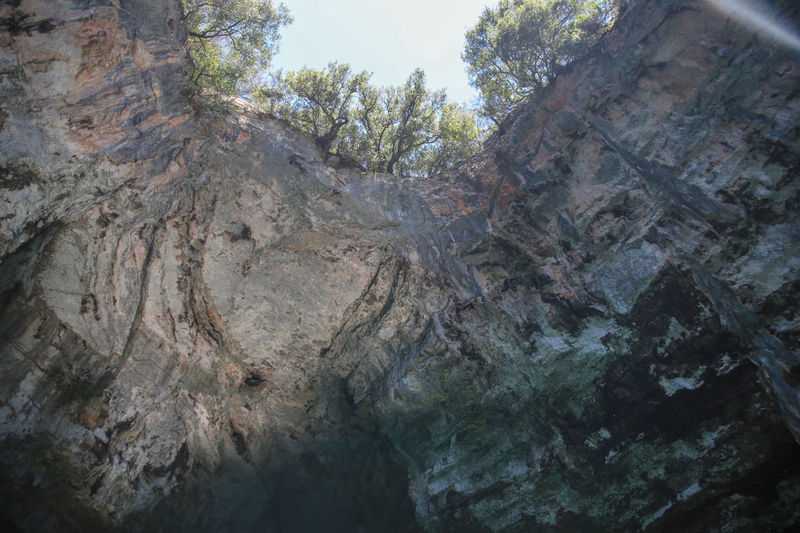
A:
[518, 46]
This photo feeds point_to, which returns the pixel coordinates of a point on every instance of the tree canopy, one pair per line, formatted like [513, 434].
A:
[515, 48]
[232, 41]
[406, 130]
[518, 46]
[319, 101]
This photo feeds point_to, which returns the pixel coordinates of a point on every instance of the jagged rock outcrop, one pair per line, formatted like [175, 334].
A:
[592, 325]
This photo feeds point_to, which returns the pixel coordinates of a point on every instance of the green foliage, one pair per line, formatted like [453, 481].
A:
[516, 47]
[399, 122]
[232, 41]
[519, 46]
[316, 101]
[460, 134]
[406, 130]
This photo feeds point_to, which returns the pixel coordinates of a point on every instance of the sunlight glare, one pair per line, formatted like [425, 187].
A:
[755, 18]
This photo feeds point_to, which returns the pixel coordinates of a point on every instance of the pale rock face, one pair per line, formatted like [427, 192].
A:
[592, 325]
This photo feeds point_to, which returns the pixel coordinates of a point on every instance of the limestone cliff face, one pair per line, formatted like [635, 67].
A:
[592, 325]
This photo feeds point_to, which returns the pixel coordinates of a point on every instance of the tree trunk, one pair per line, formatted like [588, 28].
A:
[326, 141]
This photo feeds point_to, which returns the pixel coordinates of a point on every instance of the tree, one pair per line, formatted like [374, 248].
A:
[317, 101]
[519, 46]
[406, 130]
[231, 41]
[409, 130]
[399, 121]
[459, 136]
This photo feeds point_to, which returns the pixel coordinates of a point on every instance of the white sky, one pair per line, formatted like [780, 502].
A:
[389, 38]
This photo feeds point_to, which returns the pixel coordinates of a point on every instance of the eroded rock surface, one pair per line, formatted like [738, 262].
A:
[592, 325]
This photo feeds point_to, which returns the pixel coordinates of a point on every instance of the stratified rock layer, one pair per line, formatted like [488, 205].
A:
[592, 325]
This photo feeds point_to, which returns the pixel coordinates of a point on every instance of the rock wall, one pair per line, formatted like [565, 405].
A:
[592, 325]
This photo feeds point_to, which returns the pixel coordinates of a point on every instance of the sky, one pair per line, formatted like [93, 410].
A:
[389, 38]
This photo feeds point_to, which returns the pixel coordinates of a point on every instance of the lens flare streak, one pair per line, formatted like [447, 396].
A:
[751, 16]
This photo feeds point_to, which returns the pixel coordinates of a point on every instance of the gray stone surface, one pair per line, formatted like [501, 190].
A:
[591, 325]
